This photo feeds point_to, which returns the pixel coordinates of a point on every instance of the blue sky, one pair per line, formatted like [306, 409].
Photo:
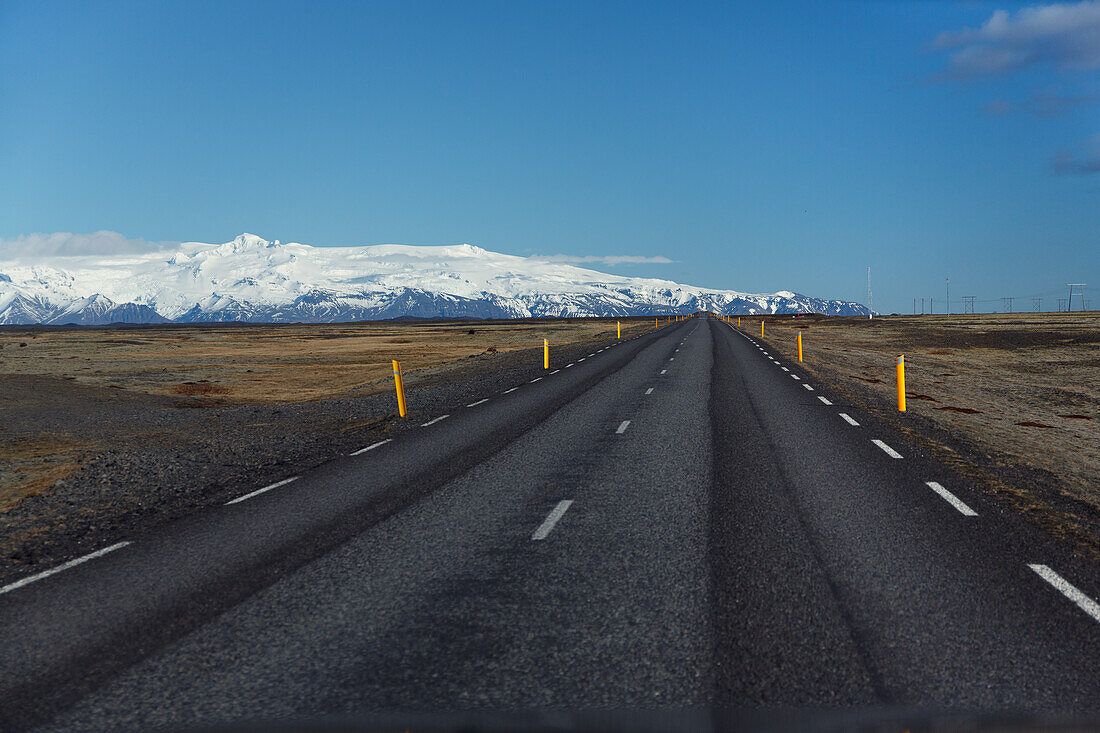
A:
[759, 146]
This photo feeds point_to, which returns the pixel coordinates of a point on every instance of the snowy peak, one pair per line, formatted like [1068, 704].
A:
[97, 310]
[255, 280]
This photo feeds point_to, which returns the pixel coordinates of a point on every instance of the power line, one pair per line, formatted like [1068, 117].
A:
[1081, 291]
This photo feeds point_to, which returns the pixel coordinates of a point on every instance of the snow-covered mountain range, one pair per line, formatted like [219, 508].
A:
[253, 280]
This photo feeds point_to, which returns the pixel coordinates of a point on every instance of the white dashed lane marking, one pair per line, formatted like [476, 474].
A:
[479, 402]
[552, 519]
[848, 419]
[622, 427]
[433, 421]
[372, 446]
[64, 566]
[887, 449]
[951, 499]
[1086, 604]
[257, 492]
[825, 401]
[649, 391]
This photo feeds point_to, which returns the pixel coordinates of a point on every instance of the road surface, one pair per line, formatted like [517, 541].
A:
[680, 521]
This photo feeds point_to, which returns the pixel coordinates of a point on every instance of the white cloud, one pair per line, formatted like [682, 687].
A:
[66, 244]
[1085, 161]
[1042, 104]
[1064, 35]
[605, 259]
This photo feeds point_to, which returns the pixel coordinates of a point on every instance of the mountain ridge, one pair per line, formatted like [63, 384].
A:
[253, 280]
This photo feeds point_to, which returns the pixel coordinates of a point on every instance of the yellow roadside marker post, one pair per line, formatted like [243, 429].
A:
[400, 388]
[761, 329]
[739, 321]
[655, 326]
[618, 330]
[545, 353]
[800, 346]
[901, 383]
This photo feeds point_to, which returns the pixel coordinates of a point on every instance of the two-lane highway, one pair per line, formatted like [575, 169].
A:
[680, 520]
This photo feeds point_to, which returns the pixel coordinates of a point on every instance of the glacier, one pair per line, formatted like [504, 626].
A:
[253, 280]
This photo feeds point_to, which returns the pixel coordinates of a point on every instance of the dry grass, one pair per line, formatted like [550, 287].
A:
[30, 467]
[1024, 388]
[233, 364]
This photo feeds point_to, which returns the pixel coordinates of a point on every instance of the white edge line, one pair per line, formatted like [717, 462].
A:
[889, 451]
[433, 421]
[825, 401]
[1086, 604]
[555, 514]
[849, 419]
[257, 492]
[951, 499]
[372, 446]
[479, 402]
[64, 566]
[622, 427]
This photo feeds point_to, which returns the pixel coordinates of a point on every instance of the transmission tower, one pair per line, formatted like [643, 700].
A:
[1037, 305]
[1007, 304]
[968, 303]
[948, 310]
[1080, 290]
[1061, 304]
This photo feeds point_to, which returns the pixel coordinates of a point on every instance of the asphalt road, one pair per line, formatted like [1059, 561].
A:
[680, 521]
